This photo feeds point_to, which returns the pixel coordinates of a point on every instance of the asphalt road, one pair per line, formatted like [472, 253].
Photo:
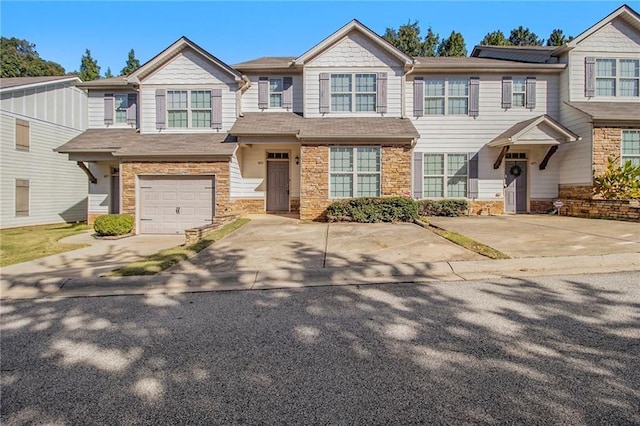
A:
[561, 350]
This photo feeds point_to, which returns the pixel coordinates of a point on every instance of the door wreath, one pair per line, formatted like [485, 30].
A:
[515, 170]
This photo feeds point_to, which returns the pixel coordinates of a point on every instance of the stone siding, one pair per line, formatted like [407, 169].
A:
[541, 206]
[575, 192]
[606, 143]
[193, 235]
[245, 206]
[129, 171]
[605, 209]
[486, 208]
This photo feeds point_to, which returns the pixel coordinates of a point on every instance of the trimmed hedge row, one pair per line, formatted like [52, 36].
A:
[391, 209]
[113, 224]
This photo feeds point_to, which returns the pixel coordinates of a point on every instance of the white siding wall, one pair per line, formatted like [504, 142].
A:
[464, 134]
[576, 158]
[354, 53]
[188, 70]
[250, 97]
[96, 110]
[614, 40]
[58, 188]
[249, 170]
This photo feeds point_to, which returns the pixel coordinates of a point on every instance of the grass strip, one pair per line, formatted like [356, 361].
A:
[469, 244]
[166, 258]
[26, 243]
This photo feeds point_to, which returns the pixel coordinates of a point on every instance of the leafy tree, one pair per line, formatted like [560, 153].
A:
[430, 44]
[108, 74]
[495, 38]
[20, 59]
[557, 38]
[524, 37]
[406, 38]
[453, 46]
[618, 182]
[89, 69]
[131, 65]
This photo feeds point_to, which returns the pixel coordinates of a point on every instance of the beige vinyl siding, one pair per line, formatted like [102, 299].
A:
[614, 40]
[576, 158]
[252, 163]
[353, 54]
[189, 68]
[464, 134]
[57, 186]
[96, 109]
[250, 97]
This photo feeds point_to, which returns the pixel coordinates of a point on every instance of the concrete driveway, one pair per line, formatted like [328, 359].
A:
[547, 235]
[100, 257]
[277, 242]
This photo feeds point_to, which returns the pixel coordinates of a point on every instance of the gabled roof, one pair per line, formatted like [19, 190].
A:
[26, 82]
[624, 12]
[170, 52]
[267, 123]
[609, 111]
[354, 25]
[105, 82]
[267, 62]
[515, 135]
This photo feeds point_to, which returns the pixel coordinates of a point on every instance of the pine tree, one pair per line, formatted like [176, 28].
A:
[131, 65]
[89, 69]
[108, 74]
[495, 38]
[406, 38]
[430, 44]
[453, 46]
[524, 37]
[557, 38]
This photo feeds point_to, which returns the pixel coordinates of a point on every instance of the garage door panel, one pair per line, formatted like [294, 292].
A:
[161, 196]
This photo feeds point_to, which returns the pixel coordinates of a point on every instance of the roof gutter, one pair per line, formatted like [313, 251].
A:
[403, 94]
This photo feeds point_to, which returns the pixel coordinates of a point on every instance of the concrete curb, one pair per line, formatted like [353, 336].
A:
[425, 272]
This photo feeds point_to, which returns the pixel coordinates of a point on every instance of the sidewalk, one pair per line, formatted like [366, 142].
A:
[287, 278]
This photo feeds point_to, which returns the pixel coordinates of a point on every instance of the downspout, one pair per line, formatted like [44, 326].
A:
[244, 85]
[403, 95]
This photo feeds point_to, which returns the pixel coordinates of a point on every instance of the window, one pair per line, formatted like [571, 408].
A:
[617, 77]
[631, 146]
[519, 92]
[22, 135]
[354, 172]
[22, 197]
[121, 103]
[277, 155]
[456, 100]
[344, 94]
[445, 175]
[275, 92]
[189, 108]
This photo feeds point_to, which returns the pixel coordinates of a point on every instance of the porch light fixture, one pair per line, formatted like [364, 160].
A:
[297, 160]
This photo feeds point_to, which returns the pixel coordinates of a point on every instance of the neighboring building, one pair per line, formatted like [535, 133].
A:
[39, 186]
[187, 137]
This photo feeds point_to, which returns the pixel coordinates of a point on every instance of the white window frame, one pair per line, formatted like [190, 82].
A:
[190, 109]
[446, 96]
[445, 175]
[617, 77]
[624, 157]
[522, 92]
[121, 108]
[353, 92]
[280, 93]
[355, 173]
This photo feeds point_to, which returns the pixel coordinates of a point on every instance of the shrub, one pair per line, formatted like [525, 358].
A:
[113, 224]
[618, 183]
[449, 208]
[373, 209]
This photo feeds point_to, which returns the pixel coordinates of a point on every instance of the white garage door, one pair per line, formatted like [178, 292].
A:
[171, 204]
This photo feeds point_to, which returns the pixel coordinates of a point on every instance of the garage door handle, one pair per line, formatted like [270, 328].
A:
[177, 210]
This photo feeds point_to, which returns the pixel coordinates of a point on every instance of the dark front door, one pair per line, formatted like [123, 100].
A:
[516, 191]
[277, 186]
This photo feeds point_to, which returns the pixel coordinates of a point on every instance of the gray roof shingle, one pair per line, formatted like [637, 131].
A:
[609, 111]
[6, 83]
[266, 62]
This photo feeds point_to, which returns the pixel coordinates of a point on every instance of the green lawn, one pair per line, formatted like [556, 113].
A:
[19, 245]
[164, 259]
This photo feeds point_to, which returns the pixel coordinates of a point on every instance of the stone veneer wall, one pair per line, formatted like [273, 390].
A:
[486, 208]
[604, 209]
[314, 175]
[607, 142]
[541, 206]
[575, 192]
[129, 171]
[248, 205]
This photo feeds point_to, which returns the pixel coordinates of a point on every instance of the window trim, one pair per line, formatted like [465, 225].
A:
[446, 96]
[445, 176]
[616, 77]
[623, 157]
[116, 109]
[523, 92]
[189, 108]
[22, 213]
[353, 92]
[281, 92]
[354, 172]
[24, 147]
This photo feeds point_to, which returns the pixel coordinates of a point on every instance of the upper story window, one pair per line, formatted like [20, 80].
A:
[121, 104]
[189, 108]
[359, 97]
[617, 77]
[275, 92]
[631, 146]
[519, 92]
[450, 95]
[354, 172]
[22, 135]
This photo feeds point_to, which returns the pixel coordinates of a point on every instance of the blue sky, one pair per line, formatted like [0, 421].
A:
[243, 30]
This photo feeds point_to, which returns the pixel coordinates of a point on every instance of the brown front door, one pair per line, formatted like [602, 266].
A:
[277, 186]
